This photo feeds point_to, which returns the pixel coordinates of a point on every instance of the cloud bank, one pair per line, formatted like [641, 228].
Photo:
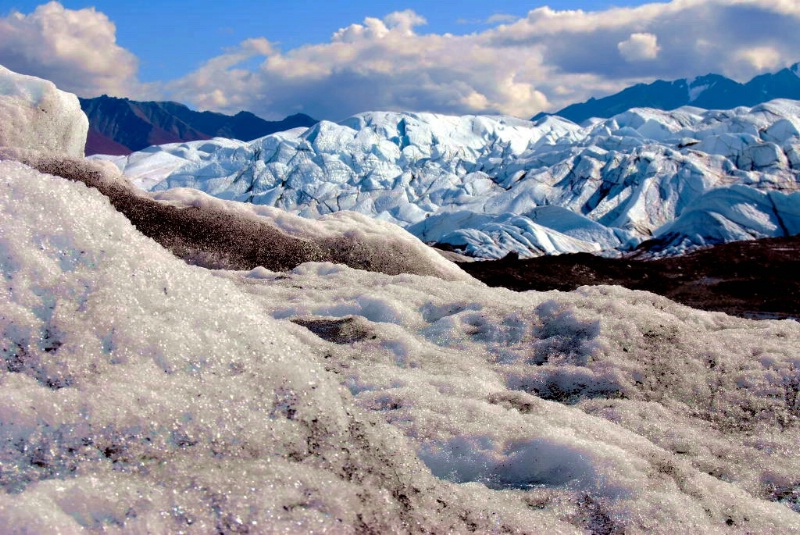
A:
[76, 49]
[544, 61]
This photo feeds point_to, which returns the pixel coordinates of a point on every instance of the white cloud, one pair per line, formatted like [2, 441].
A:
[759, 58]
[75, 49]
[378, 64]
[639, 47]
[501, 18]
[404, 20]
[545, 60]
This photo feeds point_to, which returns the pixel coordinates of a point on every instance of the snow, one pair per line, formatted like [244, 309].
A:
[696, 90]
[34, 114]
[734, 213]
[547, 228]
[142, 394]
[474, 182]
[761, 156]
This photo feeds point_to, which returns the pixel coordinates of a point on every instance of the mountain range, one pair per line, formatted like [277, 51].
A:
[711, 91]
[122, 126]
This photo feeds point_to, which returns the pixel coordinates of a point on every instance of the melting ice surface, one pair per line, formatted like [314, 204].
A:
[141, 394]
[492, 185]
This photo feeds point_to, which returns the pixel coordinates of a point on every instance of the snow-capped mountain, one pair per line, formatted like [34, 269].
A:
[493, 185]
[141, 394]
[711, 91]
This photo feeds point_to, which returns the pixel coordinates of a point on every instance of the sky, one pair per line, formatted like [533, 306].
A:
[331, 59]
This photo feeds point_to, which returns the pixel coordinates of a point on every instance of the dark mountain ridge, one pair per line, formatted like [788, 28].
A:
[711, 91]
[122, 126]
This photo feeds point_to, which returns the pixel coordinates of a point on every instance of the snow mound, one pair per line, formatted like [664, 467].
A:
[473, 182]
[142, 394]
[732, 213]
[35, 115]
[542, 230]
[207, 231]
[349, 238]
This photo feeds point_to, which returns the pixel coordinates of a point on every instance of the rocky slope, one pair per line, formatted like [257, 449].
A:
[755, 279]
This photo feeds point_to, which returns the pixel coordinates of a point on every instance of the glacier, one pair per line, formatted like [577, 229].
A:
[488, 186]
[142, 394]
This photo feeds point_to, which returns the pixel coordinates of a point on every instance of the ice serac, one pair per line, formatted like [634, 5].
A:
[731, 214]
[36, 115]
[488, 186]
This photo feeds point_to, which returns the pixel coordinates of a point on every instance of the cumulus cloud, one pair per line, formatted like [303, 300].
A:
[694, 37]
[76, 49]
[639, 47]
[540, 62]
[543, 61]
[378, 64]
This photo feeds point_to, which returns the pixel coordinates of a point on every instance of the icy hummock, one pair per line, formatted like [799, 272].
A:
[347, 237]
[143, 394]
[219, 234]
[35, 115]
[491, 185]
[733, 213]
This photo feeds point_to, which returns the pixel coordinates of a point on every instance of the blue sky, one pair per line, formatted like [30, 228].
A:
[334, 58]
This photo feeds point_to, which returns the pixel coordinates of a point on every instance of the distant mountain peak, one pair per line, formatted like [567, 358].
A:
[121, 126]
[700, 84]
[710, 91]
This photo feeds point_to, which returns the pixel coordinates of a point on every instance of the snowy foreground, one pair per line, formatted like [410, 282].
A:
[141, 394]
[492, 185]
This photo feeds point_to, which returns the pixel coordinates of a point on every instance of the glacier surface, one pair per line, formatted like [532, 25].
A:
[142, 394]
[492, 185]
